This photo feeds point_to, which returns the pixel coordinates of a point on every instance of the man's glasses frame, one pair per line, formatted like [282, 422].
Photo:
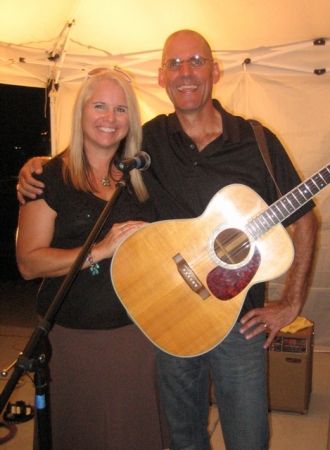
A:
[195, 62]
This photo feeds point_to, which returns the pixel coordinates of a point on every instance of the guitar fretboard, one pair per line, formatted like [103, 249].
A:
[289, 203]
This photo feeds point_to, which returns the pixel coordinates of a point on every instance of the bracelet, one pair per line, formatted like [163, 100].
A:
[93, 266]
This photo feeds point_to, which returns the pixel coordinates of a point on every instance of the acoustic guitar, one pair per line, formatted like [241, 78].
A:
[184, 282]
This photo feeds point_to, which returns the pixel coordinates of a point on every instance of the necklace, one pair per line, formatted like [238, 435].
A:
[106, 181]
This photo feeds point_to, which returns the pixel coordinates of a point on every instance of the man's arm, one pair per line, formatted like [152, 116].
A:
[27, 185]
[277, 314]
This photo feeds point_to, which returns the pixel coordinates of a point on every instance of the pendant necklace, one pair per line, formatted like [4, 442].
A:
[106, 181]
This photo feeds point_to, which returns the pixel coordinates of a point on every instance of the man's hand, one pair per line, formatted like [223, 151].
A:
[271, 318]
[27, 185]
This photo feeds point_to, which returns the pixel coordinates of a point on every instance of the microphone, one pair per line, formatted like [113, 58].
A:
[140, 161]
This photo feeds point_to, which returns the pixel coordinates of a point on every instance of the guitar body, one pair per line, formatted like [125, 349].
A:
[184, 282]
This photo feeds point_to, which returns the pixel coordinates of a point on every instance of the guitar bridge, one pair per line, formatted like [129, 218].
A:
[190, 277]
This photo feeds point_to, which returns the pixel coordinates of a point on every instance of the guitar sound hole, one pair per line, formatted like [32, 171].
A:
[232, 246]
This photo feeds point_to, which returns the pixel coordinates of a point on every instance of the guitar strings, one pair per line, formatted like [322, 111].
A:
[244, 248]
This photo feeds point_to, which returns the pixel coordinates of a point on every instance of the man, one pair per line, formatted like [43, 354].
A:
[196, 151]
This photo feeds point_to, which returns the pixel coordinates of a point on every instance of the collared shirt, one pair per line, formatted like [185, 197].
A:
[183, 180]
[188, 178]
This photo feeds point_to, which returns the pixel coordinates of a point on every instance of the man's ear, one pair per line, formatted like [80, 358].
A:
[161, 77]
[216, 72]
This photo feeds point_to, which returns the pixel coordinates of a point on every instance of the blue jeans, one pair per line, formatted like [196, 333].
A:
[238, 369]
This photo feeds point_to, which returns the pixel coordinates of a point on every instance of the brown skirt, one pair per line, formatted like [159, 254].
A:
[103, 391]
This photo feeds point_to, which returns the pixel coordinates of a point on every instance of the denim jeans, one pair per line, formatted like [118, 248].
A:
[238, 369]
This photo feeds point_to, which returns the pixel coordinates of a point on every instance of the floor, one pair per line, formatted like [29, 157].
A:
[290, 431]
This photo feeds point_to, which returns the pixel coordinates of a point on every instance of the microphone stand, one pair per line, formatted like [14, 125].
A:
[29, 360]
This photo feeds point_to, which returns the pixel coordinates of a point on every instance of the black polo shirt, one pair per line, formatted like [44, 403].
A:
[182, 180]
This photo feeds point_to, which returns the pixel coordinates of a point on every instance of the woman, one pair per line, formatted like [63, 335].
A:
[102, 387]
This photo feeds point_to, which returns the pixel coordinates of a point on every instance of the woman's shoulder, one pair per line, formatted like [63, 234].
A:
[55, 163]
[52, 170]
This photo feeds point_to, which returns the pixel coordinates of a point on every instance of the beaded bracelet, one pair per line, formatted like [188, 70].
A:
[94, 267]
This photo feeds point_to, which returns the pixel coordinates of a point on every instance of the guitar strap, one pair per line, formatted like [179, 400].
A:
[262, 144]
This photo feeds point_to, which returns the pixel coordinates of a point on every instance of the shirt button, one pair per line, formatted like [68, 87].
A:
[192, 146]
[195, 163]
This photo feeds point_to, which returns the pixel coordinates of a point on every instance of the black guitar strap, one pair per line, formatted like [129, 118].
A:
[262, 144]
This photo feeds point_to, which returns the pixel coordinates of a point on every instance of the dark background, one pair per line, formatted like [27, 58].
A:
[24, 132]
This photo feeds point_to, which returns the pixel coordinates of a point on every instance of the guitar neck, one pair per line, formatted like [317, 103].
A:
[289, 203]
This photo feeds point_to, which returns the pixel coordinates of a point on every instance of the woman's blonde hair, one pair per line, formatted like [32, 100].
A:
[76, 167]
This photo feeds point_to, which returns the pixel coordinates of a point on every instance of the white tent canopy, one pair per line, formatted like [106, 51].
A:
[275, 60]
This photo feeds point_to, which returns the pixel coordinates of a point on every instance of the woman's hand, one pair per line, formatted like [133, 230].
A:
[118, 233]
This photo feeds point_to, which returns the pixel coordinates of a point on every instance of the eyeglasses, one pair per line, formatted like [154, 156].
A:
[195, 62]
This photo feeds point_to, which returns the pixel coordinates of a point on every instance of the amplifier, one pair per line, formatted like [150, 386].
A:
[290, 367]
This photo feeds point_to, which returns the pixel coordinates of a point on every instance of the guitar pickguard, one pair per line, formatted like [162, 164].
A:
[226, 283]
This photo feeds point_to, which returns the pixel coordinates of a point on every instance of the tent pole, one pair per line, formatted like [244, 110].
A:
[53, 129]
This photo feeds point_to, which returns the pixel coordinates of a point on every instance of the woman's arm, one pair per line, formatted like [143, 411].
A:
[35, 257]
